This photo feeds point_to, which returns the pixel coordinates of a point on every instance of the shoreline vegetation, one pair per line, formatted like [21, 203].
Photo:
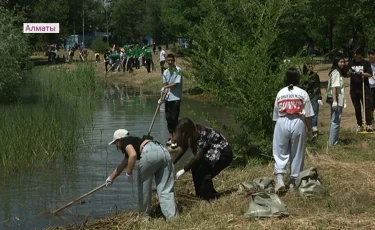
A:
[54, 107]
[346, 173]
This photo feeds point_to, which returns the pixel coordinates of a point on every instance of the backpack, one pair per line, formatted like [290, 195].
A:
[265, 204]
[308, 183]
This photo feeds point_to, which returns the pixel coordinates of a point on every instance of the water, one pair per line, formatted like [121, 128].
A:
[27, 200]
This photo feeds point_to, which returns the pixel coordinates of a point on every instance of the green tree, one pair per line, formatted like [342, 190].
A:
[14, 54]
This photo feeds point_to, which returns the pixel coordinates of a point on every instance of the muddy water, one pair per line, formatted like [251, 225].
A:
[26, 201]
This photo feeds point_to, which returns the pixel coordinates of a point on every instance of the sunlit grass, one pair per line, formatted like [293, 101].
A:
[36, 133]
[346, 172]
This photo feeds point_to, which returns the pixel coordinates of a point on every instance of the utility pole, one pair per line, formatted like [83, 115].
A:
[83, 27]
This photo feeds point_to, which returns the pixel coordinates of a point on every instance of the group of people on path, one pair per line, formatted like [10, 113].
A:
[296, 110]
[131, 57]
[211, 150]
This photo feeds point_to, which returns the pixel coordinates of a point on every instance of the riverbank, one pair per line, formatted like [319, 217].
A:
[346, 173]
[348, 204]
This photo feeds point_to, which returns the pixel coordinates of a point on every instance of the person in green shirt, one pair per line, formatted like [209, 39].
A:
[148, 57]
[130, 55]
[137, 54]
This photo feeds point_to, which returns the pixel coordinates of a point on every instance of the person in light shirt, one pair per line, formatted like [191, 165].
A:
[336, 88]
[293, 116]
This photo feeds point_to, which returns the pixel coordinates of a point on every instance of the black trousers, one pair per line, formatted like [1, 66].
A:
[106, 63]
[172, 112]
[148, 65]
[203, 173]
[357, 99]
[129, 66]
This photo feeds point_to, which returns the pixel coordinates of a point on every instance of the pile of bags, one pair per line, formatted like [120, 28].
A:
[265, 203]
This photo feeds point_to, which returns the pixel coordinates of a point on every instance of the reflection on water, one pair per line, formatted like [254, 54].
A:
[26, 201]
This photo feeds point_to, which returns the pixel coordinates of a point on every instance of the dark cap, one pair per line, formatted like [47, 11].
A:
[360, 50]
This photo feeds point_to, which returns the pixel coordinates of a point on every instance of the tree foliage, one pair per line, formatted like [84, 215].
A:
[14, 49]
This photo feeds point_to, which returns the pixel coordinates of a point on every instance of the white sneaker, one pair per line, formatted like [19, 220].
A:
[169, 142]
[359, 128]
[280, 187]
[292, 188]
[369, 128]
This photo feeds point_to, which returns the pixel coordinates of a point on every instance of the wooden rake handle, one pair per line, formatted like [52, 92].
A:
[156, 112]
[79, 198]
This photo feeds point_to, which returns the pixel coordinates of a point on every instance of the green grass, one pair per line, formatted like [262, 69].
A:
[38, 131]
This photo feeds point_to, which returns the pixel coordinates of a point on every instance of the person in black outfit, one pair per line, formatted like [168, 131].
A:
[359, 71]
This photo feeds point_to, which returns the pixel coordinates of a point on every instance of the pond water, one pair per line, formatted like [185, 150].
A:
[27, 200]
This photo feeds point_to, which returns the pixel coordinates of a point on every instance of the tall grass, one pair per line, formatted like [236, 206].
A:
[45, 125]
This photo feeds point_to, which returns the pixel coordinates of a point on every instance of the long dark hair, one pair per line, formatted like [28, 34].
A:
[335, 65]
[186, 133]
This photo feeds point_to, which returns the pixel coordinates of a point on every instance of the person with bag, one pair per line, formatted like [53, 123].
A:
[336, 89]
[293, 116]
[212, 154]
[154, 161]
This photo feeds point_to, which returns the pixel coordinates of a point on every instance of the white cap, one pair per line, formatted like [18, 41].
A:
[120, 133]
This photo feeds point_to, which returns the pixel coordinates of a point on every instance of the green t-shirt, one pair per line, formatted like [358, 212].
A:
[114, 56]
[147, 54]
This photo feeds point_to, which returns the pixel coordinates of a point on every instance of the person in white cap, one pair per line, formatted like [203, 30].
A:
[293, 116]
[154, 161]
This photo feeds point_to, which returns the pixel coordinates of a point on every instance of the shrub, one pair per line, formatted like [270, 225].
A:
[14, 54]
[99, 46]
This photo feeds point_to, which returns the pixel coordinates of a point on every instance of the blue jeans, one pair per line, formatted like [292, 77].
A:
[315, 107]
[334, 131]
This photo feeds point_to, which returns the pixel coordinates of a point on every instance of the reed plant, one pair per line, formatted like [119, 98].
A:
[38, 132]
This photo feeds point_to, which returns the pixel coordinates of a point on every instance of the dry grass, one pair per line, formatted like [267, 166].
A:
[349, 204]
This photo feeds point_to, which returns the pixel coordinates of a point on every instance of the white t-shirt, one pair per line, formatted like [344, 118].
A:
[162, 55]
[173, 76]
[371, 80]
[292, 102]
[336, 81]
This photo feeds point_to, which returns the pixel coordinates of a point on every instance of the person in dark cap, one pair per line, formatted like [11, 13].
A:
[359, 71]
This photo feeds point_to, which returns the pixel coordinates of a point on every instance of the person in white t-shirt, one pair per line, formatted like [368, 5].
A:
[371, 80]
[336, 88]
[293, 116]
[172, 78]
[162, 56]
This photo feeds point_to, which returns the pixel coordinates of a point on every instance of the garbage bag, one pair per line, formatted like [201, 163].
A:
[265, 204]
[259, 184]
[309, 184]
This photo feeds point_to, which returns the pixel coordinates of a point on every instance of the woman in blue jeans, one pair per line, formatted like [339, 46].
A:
[154, 162]
[336, 88]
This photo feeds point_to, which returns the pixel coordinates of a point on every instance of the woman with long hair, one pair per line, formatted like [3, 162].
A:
[336, 91]
[212, 154]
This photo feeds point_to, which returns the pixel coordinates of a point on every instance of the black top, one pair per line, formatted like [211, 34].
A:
[136, 142]
[356, 77]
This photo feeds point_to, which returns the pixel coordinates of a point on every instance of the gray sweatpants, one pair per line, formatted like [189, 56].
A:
[156, 161]
[289, 142]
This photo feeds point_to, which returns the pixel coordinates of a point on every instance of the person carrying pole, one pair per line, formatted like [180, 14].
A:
[154, 161]
[172, 78]
[359, 71]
